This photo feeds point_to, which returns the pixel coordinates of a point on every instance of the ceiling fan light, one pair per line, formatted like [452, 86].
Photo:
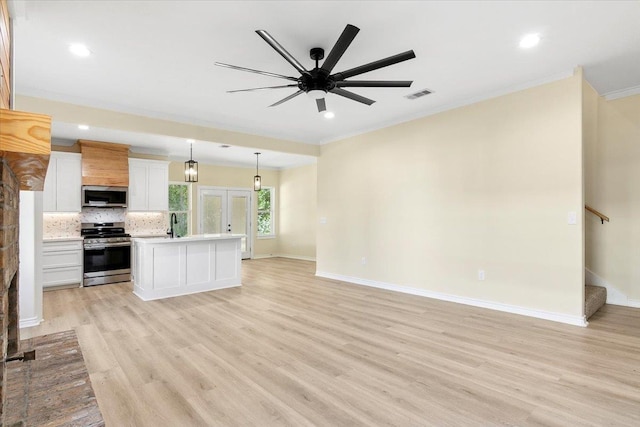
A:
[316, 94]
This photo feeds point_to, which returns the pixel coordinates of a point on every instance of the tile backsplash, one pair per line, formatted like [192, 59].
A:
[60, 225]
[136, 223]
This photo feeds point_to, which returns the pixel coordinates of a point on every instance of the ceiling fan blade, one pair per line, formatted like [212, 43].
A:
[260, 88]
[345, 39]
[404, 56]
[322, 105]
[250, 70]
[287, 98]
[282, 51]
[352, 96]
[374, 83]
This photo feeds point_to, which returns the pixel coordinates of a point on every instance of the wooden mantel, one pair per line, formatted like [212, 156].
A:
[25, 142]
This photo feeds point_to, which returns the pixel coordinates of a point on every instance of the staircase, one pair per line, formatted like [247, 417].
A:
[594, 298]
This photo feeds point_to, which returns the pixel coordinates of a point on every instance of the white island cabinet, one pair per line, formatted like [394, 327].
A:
[165, 267]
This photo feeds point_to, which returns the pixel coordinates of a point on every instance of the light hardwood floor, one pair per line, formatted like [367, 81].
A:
[288, 348]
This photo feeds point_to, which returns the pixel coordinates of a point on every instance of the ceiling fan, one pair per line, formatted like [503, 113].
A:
[319, 81]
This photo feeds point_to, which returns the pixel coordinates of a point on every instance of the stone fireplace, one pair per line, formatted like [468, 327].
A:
[9, 317]
[25, 146]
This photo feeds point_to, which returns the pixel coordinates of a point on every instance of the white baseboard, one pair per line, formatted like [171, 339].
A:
[302, 258]
[263, 256]
[540, 314]
[30, 322]
[614, 296]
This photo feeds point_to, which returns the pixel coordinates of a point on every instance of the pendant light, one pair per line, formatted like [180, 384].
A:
[257, 180]
[191, 168]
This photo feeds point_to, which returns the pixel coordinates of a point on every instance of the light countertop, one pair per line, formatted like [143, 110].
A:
[62, 239]
[195, 238]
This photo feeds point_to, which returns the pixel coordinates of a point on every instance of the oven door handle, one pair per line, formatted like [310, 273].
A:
[109, 245]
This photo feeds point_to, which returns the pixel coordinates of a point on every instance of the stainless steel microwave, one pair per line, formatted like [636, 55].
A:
[104, 197]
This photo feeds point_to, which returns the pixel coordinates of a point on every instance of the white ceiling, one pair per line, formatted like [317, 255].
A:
[156, 58]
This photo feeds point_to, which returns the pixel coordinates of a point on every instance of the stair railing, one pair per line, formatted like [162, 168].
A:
[602, 216]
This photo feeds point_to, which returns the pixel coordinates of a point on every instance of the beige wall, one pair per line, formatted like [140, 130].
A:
[297, 201]
[430, 202]
[613, 187]
[108, 119]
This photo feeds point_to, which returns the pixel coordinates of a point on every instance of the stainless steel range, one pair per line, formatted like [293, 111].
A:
[107, 253]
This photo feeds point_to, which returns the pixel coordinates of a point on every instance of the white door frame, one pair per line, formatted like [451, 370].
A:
[250, 219]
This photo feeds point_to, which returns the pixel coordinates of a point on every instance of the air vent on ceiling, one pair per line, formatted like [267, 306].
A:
[224, 146]
[418, 94]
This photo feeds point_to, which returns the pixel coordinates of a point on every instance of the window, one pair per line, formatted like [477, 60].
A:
[180, 204]
[266, 216]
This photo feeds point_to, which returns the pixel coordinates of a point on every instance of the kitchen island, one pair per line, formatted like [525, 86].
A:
[165, 267]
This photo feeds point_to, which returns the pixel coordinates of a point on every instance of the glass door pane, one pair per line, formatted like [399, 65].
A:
[213, 212]
[239, 203]
[226, 211]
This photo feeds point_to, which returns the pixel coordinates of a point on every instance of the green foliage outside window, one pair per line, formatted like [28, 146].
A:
[179, 204]
[265, 212]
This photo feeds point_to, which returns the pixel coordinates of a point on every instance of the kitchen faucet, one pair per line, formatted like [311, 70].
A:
[172, 220]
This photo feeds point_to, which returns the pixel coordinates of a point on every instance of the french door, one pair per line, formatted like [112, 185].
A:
[226, 211]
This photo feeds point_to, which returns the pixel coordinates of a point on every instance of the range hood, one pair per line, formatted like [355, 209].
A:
[104, 164]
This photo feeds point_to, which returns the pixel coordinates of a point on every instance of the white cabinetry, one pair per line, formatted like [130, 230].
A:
[61, 263]
[148, 185]
[166, 267]
[63, 184]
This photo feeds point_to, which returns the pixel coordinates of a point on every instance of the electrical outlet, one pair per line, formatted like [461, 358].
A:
[480, 274]
[363, 260]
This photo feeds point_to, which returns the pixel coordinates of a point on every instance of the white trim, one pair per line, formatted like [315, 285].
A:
[634, 303]
[623, 93]
[457, 104]
[614, 295]
[264, 256]
[300, 257]
[30, 322]
[514, 309]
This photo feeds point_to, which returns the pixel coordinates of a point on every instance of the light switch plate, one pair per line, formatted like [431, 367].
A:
[572, 218]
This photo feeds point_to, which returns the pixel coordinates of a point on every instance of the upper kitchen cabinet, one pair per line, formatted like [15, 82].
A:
[148, 185]
[63, 183]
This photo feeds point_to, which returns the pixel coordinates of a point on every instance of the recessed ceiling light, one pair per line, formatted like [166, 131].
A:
[83, 127]
[79, 49]
[329, 115]
[191, 141]
[529, 41]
